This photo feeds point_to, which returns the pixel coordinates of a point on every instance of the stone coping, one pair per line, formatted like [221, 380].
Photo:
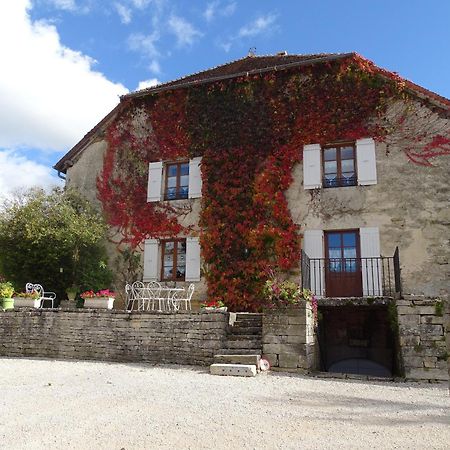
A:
[355, 301]
[39, 311]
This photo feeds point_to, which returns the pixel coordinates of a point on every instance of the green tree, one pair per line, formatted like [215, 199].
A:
[54, 239]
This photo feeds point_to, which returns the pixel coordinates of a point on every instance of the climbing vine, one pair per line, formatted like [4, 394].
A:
[250, 132]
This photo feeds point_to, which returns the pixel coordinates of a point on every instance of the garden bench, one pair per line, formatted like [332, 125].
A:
[43, 296]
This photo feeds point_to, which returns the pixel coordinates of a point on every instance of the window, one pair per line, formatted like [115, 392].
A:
[177, 181]
[174, 180]
[339, 166]
[173, 267]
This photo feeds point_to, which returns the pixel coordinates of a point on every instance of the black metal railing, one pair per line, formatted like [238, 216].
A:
[352, 277]
[339, 182]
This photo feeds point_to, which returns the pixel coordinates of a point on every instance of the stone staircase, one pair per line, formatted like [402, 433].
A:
[242, 349]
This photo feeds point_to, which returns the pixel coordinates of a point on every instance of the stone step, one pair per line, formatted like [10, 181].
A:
[242, 344]
[242, 315]
[243, 337]
[240, 351]
[246, 330]
[237, 359]
[236, 370]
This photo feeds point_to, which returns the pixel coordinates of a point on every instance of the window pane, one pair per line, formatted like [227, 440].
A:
[349, 239]
[184, 169]
[349, 252]
[168, 271]
[348, 165]
[346, 152]
[329, 154]
[181, 271]
[184, 180]
[330, 167]
[169, 246]
[183, 192]
[172, 170]
[334, 240]
[171, 182]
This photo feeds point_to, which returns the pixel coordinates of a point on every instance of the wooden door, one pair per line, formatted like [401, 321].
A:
[343, 264]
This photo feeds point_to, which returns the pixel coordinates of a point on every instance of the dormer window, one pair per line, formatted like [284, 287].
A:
[339, 166]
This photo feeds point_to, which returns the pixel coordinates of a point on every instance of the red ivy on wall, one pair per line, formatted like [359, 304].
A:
[250, 132]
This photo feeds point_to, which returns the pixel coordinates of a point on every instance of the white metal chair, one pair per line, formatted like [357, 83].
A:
[153, 292]
[183, 296]
[129, 297]
[43, 296]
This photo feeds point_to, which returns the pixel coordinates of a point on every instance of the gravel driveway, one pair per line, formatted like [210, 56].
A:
[87, 405]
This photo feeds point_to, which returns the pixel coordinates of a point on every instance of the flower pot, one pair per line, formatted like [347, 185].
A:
[7, 303]
[23, 302]
[99, 302]
[212, 308]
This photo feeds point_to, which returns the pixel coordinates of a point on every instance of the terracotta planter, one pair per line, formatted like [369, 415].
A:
[99, 302]
[24, 302]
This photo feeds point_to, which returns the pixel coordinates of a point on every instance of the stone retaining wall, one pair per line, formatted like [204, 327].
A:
[423, 348]
[288, 338]
[177, 338]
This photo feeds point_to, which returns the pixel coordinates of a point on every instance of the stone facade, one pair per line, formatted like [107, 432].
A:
[424, 352]
[181, 338]
[288, 338]
[409, 205]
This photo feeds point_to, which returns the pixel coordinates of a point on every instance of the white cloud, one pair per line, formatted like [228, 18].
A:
[260, 25]
[183, 30]
[18, 172]
[148, 83]
[146, 45]
[140, 4]
[124, 13]
[214, 9]
[50, 94]
[67, 5]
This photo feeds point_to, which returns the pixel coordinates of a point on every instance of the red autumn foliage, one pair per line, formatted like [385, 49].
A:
[249, 132]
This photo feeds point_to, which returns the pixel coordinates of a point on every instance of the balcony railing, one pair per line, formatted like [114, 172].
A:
[352, 277]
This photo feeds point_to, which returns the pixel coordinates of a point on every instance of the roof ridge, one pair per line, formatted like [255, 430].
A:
[180, 79]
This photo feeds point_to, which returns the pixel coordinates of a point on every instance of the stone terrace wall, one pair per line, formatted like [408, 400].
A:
[180, 338]
[424, 351]
[288, 338]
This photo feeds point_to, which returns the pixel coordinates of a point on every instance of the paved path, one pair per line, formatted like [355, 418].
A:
[88, 405]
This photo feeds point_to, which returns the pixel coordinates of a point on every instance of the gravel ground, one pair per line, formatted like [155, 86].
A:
[88, 405]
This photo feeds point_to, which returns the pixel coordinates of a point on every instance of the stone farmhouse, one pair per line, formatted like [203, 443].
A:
[326, 168]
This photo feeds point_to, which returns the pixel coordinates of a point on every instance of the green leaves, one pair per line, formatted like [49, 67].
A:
[54, 239]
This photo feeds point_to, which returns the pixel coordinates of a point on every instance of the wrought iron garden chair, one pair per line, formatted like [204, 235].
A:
[43, 296]
[183, 296]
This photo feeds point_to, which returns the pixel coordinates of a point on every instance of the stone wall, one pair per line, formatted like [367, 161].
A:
[180, 338]
[288, 338]
[423, 348]
[447, 335]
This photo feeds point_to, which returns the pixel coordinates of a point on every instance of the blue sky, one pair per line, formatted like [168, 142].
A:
[65, 62]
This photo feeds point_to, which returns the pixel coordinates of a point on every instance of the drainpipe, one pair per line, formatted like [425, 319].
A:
[67, 164]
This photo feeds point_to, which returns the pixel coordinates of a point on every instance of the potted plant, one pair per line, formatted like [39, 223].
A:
[213, 305]
[103, 299]
[72, 292]
[27, 300]
[6, 293]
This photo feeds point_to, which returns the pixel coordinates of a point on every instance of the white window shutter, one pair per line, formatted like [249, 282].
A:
[195, 178]
[312, 171]
[313, 247]
[366, 161]
[154, 181]
[192, 259]
[371, 264]
[151, 260]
